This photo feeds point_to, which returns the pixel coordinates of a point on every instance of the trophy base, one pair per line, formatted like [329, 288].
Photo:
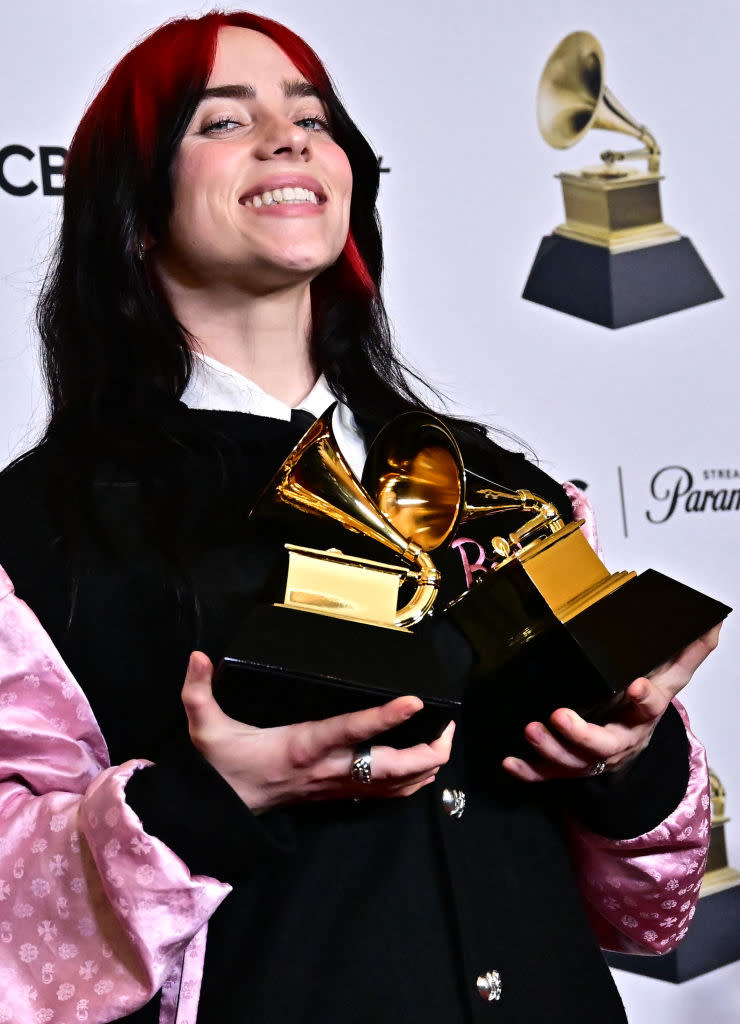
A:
[615, 289]
[529, 663]
[286, 665]
[657, 617]
[712, 941]
[618, 208]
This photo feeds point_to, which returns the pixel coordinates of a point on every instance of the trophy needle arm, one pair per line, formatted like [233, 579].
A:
[500, 501]
[547, 516]
[651, 152]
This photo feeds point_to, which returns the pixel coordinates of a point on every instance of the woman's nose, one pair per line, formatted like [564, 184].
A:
[281, 137]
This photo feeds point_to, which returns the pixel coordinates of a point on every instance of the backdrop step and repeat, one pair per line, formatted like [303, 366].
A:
[647, 416]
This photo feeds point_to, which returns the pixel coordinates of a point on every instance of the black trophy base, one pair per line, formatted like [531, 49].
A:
[642, 625]
[622, 288]
[287, 666]
[712, 941]
[529, 663]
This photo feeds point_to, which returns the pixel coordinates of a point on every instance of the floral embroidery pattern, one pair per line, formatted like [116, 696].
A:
[617, 876]
[70, 824]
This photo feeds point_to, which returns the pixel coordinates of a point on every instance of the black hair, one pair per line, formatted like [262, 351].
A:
[114, 355]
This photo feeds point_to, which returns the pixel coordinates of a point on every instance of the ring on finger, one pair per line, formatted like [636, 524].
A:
[362, 766]
[598, 768]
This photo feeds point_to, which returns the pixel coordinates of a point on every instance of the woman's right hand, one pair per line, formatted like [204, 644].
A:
[310, 760]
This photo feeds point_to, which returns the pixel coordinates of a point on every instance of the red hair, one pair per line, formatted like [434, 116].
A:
[142, 101]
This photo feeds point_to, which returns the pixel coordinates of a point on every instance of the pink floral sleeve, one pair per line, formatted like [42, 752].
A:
[96, 916]
[641, 893]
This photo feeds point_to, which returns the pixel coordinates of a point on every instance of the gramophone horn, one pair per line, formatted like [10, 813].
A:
[572, 98]
[415, 473]
[316, 479]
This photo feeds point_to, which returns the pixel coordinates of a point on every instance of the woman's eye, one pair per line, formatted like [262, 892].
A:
[220, 124]
[316, 123]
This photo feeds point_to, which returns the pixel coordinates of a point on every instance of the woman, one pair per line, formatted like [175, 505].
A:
[218, 268]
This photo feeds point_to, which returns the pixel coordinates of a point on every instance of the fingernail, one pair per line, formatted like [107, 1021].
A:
[513, 765]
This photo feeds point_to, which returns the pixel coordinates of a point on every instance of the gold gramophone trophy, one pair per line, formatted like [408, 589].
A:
[551, 616]
[337, 642]
[613, 261]
[550, 625]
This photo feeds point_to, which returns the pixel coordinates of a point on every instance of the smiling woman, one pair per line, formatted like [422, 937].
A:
[160, 119]
[237, 229]
[215, 286]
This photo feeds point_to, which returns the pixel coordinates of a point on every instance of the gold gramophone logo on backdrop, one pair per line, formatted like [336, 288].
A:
[719, 875]
[613, 261]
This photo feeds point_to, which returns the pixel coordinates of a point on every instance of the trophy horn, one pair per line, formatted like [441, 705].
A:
[416, 475]
[316, 479]
[573, 98]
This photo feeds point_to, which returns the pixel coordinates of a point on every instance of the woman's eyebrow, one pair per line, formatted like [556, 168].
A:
[299, 87]
[230, 92]
[296, 88]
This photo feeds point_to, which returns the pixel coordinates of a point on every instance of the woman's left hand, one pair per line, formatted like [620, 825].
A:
[579, 746]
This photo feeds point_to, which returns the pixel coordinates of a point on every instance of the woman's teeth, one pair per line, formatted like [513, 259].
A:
[283, 195]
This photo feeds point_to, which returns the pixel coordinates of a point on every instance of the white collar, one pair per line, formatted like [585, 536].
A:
[213, 385]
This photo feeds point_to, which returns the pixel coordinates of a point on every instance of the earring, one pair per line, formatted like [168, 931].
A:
[141, 251]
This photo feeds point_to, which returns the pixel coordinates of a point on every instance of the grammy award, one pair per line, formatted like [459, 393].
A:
[550, 625]
[337, 642]
[713, 939]
[613, 261]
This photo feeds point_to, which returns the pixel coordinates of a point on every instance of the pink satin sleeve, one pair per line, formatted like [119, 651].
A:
[583, 509]
[96, 916]
[641, 893]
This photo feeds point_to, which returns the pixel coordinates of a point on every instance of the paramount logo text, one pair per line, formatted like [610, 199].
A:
[674, 488]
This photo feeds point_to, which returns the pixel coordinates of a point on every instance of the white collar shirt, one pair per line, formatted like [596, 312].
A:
[213, 385]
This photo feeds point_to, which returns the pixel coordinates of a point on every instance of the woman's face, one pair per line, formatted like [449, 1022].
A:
[261, 192]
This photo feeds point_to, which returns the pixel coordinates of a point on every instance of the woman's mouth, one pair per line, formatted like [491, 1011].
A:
[283, 196]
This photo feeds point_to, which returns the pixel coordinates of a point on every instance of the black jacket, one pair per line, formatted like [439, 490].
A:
[380, 911]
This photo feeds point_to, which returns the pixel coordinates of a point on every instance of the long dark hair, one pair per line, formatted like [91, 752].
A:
[114, 355]
[111, 345]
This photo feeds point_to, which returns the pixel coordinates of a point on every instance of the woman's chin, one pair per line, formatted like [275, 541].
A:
[295, 267]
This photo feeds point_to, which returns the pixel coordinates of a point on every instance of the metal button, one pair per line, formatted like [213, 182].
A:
[489, 986]
[453, 802]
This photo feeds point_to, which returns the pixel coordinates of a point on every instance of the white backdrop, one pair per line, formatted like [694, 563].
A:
[445, 92]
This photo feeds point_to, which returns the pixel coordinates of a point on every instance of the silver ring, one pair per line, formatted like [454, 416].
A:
[597, 769]
[362, 766]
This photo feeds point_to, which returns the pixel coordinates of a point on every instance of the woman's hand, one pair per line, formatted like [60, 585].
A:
[579, 745]
[310, 760]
